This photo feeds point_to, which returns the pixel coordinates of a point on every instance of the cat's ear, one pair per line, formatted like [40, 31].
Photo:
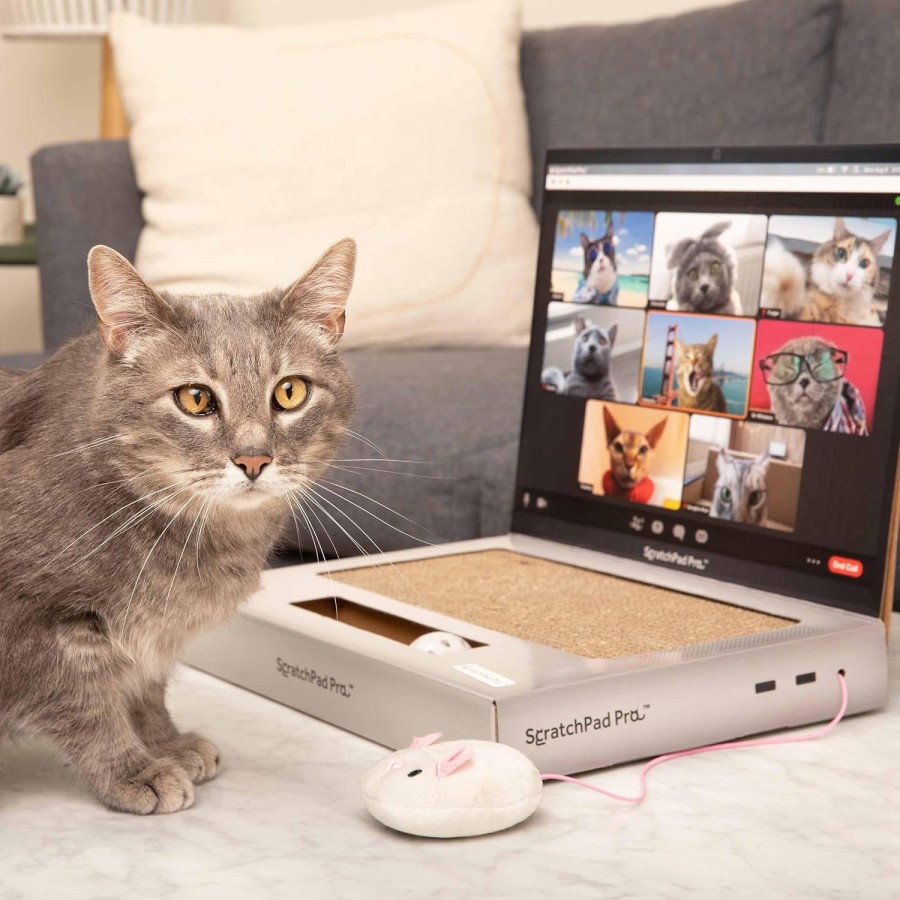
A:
[580, 323]
[127, 307]
[763, 460]
[655, 433]
[321, 294]
[876, 243]
[723, 457]
[676, 252]
[585, 240]
[840, 229]
[711, 344]
[679, 347]
[612, 334]
[716, 230]
[612, 427]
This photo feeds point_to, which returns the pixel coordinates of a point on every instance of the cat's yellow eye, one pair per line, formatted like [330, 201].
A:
[714, 268]
[195, 399]
[290, 393]
[693, 275]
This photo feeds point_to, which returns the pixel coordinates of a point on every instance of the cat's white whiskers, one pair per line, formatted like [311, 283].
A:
[205, 511]
[366, 441]
[317, 543]
[312, 496]
[106, 519]
[412, 462]
[122, 481]
[288, 499]
[147, 558]
[370, 513]
[355, 470]
[133, 522]
[318, 546]
[181, 555]
[90, 445]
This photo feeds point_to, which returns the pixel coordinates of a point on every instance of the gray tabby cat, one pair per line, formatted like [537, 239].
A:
[145, 473]
[740, 493]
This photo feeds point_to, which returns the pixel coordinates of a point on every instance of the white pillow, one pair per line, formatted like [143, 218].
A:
[257, 148]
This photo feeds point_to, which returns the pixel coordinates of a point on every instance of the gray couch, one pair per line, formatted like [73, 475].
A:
[759, 72]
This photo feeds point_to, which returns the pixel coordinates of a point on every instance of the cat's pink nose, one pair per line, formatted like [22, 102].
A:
[252, 465]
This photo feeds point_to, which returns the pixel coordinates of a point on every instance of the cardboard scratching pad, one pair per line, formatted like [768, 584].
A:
[561, 606]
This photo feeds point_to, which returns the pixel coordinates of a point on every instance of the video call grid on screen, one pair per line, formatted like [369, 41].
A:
[718, 356]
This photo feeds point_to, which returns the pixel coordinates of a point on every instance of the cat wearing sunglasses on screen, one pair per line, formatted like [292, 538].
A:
[599, 284]
[807, 387]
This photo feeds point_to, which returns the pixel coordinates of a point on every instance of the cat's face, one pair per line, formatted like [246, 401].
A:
[630, 452]
[599, 261]
[804, 378]
[593, 344]
[741, 490]
[847, 264]
[703, 271]
[705, 284]
[695, 365]
[241, 400]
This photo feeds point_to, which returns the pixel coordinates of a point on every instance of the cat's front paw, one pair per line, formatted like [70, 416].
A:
[162, 787]
[197, 756]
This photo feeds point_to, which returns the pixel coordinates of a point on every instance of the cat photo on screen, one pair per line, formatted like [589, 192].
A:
[593, 353]
[815, 376]
[707, 263]
[633, 454]
[602, 257]
[697, 363]
[828, 269]
[747, 473]
[146, 470]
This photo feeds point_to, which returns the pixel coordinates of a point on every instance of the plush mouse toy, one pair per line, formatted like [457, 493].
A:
[464, 788]
[452, 789]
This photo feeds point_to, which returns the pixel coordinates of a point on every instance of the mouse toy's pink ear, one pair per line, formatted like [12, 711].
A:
[449, 766]
[419, 742]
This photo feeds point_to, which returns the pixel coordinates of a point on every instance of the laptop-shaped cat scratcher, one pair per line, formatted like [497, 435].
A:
[705, 508]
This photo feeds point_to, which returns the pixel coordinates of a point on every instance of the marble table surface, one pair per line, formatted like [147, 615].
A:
[284, 819]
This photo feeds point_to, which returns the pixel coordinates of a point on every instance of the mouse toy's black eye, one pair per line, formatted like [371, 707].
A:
[413, 773]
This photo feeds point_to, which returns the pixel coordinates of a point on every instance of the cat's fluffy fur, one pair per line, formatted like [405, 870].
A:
[694, 368]
[806, 403]
[591, 353]
[704, 270]
[128, 527]
[839, 290]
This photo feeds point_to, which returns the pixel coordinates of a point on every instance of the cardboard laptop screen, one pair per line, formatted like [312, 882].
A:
[712, 382]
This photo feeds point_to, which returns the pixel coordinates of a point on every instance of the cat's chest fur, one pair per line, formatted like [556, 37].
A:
[152, 635]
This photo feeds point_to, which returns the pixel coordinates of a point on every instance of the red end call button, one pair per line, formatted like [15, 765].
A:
[840, 565]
